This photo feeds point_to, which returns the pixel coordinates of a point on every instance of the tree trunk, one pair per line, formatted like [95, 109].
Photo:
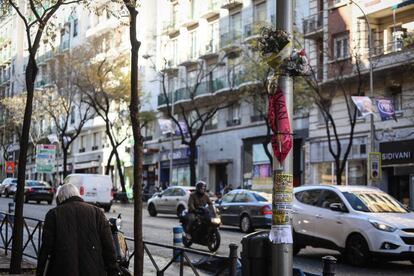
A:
[17, 243]
[120, 172]
[65, 162]
[108, 164]
[338, 173]
[138, 155]
[192, 157]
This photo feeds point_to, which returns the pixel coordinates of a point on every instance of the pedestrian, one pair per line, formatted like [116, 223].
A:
[76, 239]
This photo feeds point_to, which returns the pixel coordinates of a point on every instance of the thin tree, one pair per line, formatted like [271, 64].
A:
[35, 15]
[106, 89]
[194, 116]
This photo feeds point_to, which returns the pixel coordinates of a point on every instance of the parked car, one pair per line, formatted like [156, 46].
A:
[93, 188]
[172, 200]
[8, 186]
[358, 221]
[246, 209]
[36, 190]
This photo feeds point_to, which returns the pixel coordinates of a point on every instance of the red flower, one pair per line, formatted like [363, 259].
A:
[302, 52]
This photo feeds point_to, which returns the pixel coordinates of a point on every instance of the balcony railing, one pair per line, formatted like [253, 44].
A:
[169, 27]
[252, 29]
[229, 38]
[313, 24]
[186, 93]
[392, 47]
[231, 4]
[209, 48]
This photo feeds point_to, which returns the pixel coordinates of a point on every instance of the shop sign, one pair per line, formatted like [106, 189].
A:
[398, 152]
[177, 154]
[9, 167]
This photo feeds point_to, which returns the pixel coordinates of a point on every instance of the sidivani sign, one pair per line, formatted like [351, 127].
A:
[398, 152]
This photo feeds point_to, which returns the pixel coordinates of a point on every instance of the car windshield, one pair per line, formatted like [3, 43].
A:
[31, 183]
[263, 197]
[374, 202]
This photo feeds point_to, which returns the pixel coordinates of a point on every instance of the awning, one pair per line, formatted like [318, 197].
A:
[403, 4]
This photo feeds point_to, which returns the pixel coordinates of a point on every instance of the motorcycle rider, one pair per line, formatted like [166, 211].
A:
[198, 199]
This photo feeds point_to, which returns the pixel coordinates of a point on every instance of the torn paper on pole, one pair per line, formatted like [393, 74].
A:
[280, 234]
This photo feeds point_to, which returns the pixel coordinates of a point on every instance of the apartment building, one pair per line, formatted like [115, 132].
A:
[195, 37]
[75, 25]
[334, 32]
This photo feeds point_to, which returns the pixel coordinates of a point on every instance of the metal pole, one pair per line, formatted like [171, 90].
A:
[282, 257]
[371, 84]
[329, 266]
[233, 260]
[172, 140]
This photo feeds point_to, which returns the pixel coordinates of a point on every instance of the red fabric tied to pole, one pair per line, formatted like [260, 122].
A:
[279, 123]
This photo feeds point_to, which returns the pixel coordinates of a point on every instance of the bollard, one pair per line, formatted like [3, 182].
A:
[233, 260]
[329, 265]
[11, 207]
[178, 241]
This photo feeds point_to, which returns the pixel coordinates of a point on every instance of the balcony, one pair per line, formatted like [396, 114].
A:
[170, 67]
[210, 50]
[189, 59]
[188, 93]
[63, 47]
[252, 30]
[234, 122]
[170, 28]
[393, 54]
[103, 27]
[189, 20]
[230, 41]
[231, 4]
[211, 9]
[313, 26]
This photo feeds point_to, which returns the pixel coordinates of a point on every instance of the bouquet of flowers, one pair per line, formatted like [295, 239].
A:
[273, 45]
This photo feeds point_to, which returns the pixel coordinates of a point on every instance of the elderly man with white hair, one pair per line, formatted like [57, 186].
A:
[76, 239]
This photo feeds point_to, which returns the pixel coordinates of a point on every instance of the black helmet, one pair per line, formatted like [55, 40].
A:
[201, 187]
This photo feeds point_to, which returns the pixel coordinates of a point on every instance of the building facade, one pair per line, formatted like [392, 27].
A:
[194, 37]
[74, 26]
[335, 32]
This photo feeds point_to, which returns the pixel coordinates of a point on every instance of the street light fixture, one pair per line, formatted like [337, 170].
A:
[371, 82]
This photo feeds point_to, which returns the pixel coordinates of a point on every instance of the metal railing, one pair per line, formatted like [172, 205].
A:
[183, 255]
[313, 23]
[32, 230]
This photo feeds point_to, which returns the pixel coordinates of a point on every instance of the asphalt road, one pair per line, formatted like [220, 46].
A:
[159, 229]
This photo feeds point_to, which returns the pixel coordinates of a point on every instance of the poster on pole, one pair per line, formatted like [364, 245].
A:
[45, 158]
[9, 167]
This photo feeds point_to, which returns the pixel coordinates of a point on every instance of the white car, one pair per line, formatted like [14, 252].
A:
[358, 221]
[172, 200]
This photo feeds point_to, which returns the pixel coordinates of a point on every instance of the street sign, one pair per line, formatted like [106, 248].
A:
[45, 158]
[9, 167]
[374, 165]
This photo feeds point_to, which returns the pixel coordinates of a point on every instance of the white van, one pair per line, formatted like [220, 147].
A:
[94, 188]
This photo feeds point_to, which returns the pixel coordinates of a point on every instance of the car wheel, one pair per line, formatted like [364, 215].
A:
[151, 210]
[357, 251]
[180, 210]
[38, 201]
[246, 224]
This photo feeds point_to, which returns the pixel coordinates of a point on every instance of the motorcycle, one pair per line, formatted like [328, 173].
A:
[121, 248]
[204, 229]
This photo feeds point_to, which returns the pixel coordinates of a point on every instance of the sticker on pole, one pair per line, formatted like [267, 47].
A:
[280, 234]
[45, 158]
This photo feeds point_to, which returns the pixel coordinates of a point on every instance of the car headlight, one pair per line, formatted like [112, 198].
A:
[216, 220]
[382, 226]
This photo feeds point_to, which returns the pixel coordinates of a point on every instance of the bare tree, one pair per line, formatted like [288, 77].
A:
[192, 114]
[65, 106]
[106, 89]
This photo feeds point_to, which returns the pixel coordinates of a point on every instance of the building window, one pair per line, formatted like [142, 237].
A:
[341, 46]
[258, 109]
[193, 37]
[395, 94]
[75, 27]
[72, 115]
[259, 12]
[235, 25]
[95, 141]
[212, 123]
[233, 115]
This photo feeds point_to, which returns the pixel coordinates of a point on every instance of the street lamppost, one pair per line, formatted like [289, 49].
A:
[371, 82]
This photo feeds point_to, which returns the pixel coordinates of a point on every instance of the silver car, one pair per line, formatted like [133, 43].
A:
[172, 200]
[8, 186]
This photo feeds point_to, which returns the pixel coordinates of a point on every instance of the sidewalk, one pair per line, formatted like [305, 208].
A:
[29, 266]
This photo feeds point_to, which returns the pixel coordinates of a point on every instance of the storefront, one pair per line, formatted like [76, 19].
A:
[180, 168]
[398, 169]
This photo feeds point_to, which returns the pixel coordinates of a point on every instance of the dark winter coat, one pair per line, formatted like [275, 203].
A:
[78, 238]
